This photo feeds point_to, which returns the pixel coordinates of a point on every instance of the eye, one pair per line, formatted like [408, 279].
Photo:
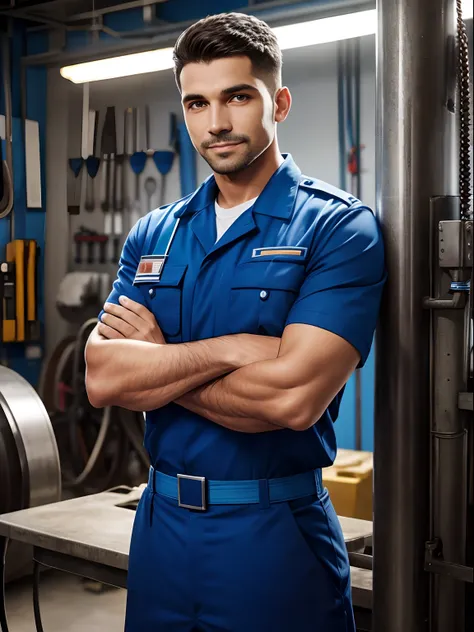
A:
[196, 105]
[241, 98]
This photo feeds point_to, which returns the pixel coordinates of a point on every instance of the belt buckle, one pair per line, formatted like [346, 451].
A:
[196, 479]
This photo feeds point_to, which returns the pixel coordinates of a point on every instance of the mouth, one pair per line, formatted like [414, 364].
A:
[224, 146]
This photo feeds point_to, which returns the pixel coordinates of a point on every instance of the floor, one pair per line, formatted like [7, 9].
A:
[67, 605]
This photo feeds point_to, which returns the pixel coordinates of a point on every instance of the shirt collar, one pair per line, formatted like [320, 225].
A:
[270, 201]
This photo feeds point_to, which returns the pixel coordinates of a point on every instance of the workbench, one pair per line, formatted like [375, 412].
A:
[90, 537]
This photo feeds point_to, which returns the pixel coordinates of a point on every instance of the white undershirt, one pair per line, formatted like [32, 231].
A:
[225, 217]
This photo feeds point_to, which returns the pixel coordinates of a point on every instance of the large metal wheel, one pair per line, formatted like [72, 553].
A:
[29, 460]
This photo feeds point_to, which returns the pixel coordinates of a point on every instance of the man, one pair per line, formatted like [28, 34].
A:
[237, 317]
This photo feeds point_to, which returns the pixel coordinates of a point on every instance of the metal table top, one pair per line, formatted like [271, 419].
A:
[98, 528]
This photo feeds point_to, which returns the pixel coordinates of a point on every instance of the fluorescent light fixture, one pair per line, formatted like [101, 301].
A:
[123, 66]
[322, 31]
[339, 27]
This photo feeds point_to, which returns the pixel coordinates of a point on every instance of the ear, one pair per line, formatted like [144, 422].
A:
[282, 104]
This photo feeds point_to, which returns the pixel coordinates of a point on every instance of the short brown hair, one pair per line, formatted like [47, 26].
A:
[230, 35]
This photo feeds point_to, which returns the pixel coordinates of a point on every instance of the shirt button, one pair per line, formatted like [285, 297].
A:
[151, 292]
[264, 295]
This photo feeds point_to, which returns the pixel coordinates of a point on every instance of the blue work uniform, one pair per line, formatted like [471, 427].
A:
[306, 252]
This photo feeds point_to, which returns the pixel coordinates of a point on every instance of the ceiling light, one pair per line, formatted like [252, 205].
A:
[320, 31]
[339, 27]
[123, 66]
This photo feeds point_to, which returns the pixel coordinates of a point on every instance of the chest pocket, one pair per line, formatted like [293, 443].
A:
[164, 299]
[262, 293]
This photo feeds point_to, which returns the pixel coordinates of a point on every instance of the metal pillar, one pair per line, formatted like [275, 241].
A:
[449, 438]
[415, 163]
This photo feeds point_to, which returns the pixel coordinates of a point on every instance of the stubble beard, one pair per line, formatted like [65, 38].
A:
[223, 167]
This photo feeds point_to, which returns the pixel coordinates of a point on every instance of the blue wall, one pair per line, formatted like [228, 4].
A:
[29, 224]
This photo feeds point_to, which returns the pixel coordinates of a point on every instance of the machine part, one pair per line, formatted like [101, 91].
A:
[465, 401]
[434, 563]
[455, 243]
[415, 162]
[29, 460]
[449, 431]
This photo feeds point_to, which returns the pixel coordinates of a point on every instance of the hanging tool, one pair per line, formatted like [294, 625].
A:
[120, 194]
[137, 162]
[108, 150]
[92, 161]
[74, 187]
[129, 148]
[8, 301]
[20, 274]
[32, 164]
[164, 159]
[150, 188]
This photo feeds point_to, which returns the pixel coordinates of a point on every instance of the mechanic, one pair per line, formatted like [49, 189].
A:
[237, 317]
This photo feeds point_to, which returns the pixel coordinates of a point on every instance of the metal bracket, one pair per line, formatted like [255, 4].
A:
[465, 401]
[435, 563]
[455, 243]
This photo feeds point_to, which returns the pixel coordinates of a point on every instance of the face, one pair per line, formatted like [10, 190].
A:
[230, 113]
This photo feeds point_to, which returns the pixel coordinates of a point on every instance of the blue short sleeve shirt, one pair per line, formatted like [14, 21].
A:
[306, 252]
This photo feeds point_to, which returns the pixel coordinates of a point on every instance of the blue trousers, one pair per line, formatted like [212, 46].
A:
[283, 568]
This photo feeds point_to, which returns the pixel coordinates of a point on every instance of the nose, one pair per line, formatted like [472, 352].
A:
[219, 120]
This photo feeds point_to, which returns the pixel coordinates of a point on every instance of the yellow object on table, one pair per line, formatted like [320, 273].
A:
[349, 482]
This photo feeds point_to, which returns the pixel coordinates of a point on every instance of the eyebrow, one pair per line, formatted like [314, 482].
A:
[227, 91]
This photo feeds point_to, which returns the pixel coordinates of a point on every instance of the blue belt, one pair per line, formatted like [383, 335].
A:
[196, 492]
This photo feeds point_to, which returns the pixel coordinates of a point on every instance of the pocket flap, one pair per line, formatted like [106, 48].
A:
[271, 275]
[170, 277]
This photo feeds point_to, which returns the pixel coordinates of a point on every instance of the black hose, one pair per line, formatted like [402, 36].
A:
[36, 606]
[78, 392]
[3, 556]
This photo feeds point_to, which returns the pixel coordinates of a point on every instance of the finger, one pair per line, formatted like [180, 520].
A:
[126, 315]
[133, 318]
[136, 308]
[109, 333]
[120, 325]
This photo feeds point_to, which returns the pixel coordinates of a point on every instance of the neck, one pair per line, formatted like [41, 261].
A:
[237, 188]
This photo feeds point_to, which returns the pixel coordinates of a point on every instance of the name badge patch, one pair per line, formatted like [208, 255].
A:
[279, 251]
[149, 269]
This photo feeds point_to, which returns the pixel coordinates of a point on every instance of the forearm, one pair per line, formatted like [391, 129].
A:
[256, 398]
[216, 408]
[144, 376]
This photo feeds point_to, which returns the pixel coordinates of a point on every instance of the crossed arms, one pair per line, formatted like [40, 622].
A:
[244, 382]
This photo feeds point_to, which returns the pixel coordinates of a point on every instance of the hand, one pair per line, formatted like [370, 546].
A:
[131, 321]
